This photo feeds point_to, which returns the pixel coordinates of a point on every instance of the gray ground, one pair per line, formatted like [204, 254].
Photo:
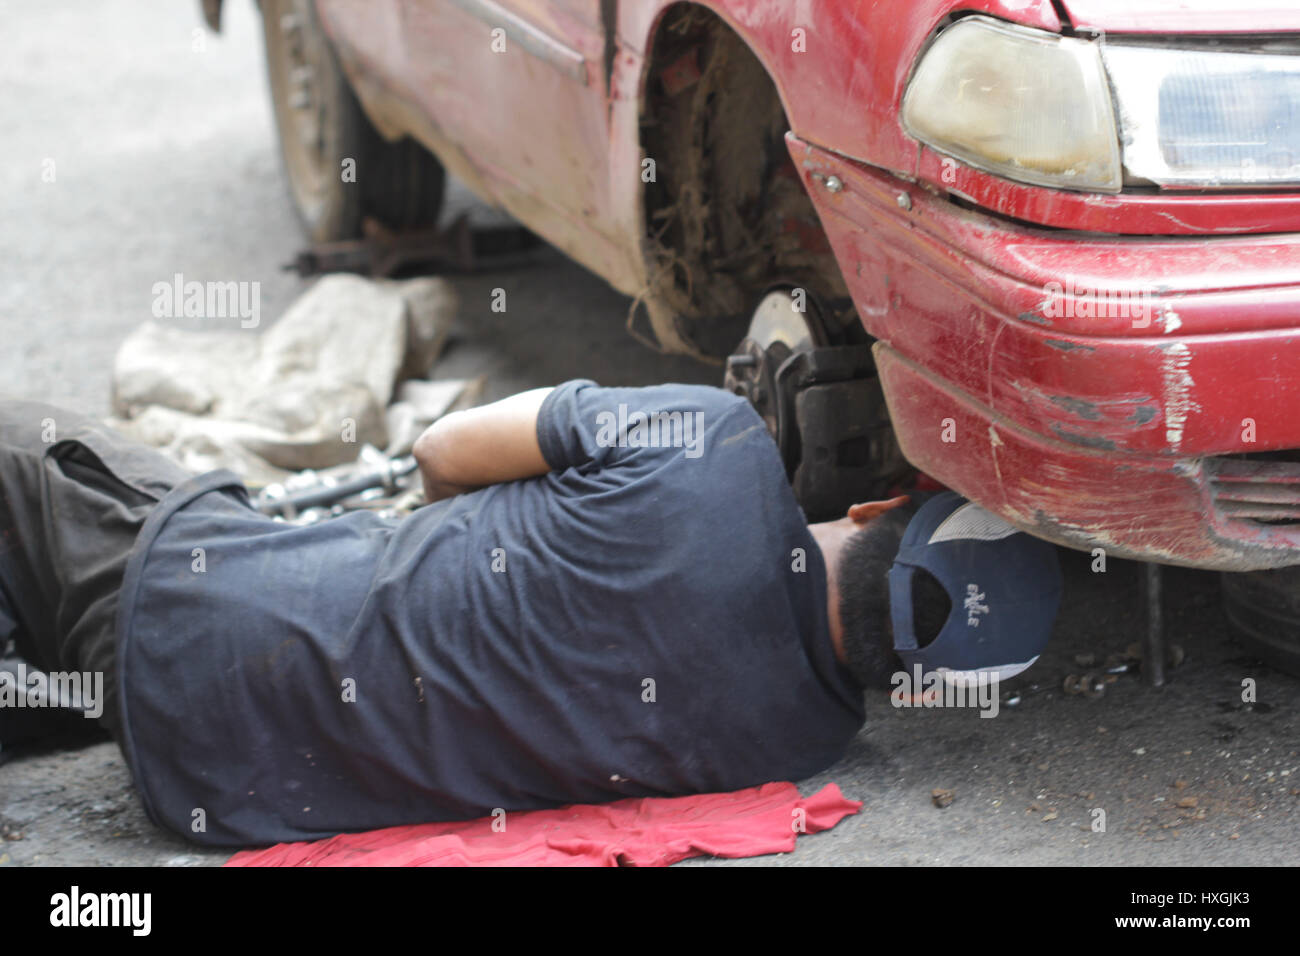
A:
[165, 162]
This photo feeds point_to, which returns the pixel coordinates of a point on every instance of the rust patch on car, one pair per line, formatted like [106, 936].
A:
[1079, 406]
[1087, 441]
[1065, 346]
[1102, 422]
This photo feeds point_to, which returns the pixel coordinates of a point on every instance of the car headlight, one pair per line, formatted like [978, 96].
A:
[1024, 104]
[1207, 117]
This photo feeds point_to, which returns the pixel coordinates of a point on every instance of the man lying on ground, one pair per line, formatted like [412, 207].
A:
[614, 593]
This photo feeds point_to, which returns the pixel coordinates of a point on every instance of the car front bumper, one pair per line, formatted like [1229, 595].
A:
[1137, 394]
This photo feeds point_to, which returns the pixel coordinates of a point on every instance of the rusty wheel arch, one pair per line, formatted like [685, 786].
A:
[726, 216]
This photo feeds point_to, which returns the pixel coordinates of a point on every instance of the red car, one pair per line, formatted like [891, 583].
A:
[1061, 238]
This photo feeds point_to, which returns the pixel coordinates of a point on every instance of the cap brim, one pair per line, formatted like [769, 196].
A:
[973, 677]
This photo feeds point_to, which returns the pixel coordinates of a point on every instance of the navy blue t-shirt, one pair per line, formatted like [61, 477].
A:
[648, 619]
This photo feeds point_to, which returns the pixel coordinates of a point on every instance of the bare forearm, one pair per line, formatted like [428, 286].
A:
[482, 446]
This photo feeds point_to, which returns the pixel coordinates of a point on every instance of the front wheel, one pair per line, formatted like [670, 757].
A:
[340, 169]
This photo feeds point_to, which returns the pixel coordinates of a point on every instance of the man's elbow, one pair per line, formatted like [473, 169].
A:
[431, 458]
[433, 444]
[425, 448]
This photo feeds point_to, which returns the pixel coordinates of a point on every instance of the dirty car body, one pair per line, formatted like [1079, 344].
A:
[1081, 281]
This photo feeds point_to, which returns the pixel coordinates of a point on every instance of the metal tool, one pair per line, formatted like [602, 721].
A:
[383, 473]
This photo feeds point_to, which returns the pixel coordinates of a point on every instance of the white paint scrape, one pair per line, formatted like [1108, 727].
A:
[1178, 386]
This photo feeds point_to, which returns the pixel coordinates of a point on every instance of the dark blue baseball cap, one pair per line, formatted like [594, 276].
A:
[1005, 587]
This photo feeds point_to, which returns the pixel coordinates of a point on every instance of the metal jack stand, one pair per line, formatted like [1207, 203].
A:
[383, 252]
[1153, 640]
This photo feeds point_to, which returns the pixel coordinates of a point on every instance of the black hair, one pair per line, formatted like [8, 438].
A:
[863, 585]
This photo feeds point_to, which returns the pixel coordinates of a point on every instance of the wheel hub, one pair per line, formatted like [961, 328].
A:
[822, 404]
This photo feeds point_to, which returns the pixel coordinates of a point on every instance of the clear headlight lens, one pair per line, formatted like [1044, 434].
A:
[1207, 118]
[1024, 104]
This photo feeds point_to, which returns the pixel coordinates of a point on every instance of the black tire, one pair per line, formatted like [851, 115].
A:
[1263, 608]
[321, 124]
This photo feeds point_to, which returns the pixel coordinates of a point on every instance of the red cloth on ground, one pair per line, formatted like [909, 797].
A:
[650, 831]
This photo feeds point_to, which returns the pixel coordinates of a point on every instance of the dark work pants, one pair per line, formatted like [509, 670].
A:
[73, 497]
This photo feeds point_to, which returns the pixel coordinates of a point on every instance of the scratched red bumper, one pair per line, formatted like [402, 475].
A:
[1097, 391]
